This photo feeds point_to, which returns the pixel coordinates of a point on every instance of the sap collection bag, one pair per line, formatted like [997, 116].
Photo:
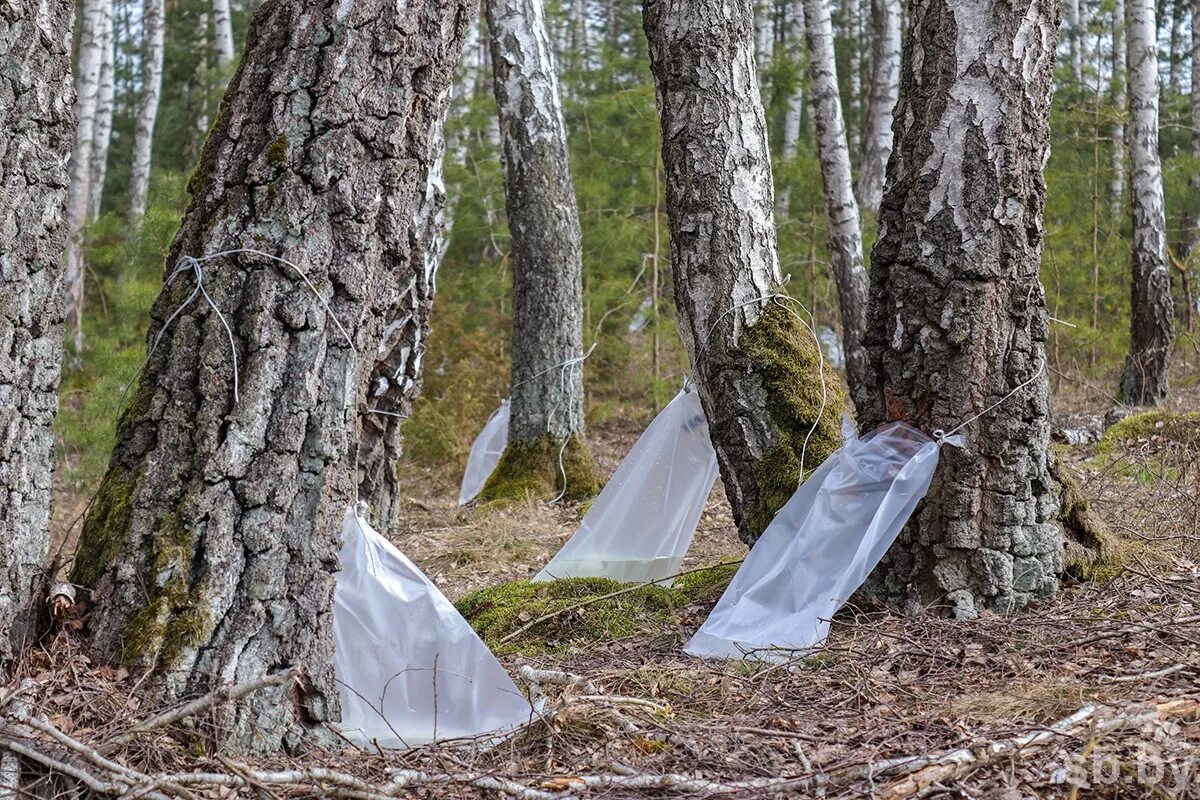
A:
[485, 454]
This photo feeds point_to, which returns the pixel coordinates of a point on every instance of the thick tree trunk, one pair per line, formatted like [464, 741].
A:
[841, 209]
[211, 546]
[885, 87]
[757, 366]
[957, 318]
[87, 85]
[547, 398]
[1152, 328]
[1116, 189]
[223, 32]
[396, 379]
[36, 127]
[102, 132]
[153, 27]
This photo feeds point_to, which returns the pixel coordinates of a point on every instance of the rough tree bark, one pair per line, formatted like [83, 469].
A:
[957, 317]
[756, 365]
[1152, 325]
[102, 131]
[36, 127]
[211, 545]
[885, 86]
[87, 84]
[223, 32]
[1116, 188]
[841, 208]
[153, 27]
[547, 399]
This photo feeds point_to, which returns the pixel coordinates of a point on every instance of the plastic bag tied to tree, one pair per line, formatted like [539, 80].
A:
[410, 669]
[639, 528]
[821, 546]
[485, 454]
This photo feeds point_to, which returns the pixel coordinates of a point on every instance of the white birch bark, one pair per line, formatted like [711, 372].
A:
[885, 88]
[1072, 22]
[36, 127]
[841, 208]
[853, 19]
[764, 29]
[153, 26]
[1147, 368]
[795, 104]
[102, 131]
[223, 31]
[87, 84]
[1120, 68]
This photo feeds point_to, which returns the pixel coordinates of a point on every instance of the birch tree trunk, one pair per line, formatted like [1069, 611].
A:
[153, 27]
[223, 32]
[1073, 24]
[885, 87]
[1191, 221]
[1152, 327]
[957, 318]
[102, 132]
[852, 10]
[756, 365]
[547, 398]
[87, 86]
[841, 209]
[1116, 191]
[211, 546]
[794, 116]
[36, 127]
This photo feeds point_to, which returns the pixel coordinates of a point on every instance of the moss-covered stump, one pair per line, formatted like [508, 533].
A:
[577, 612]
[531, 470]
[1171, 426]
[805, 402]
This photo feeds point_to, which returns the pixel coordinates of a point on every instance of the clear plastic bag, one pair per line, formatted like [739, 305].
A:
[410, 669]
[821, 546]
[485, 455]
[639, 528]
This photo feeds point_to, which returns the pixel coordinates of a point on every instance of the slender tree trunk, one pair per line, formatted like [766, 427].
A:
[1072, 23]
[102, 133]
[1176, 8]
[36, 135]
[87, 85]
[212, 543]
[764, 46]
[1191, 218]
[153, 29]
[853, 18]
[958, 317]
[756, 365]
[841, 209]
[1116, 191]
[547, 398]
[885, 87]
[794, 116]
[1147, 368]
[223, 32]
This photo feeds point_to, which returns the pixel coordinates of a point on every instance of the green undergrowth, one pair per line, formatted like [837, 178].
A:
[578, 612]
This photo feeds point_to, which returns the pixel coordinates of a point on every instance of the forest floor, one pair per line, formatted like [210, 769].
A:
[1095, 694]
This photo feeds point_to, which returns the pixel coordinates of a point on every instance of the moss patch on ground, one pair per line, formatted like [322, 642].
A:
[496, 612]
[1173, 426]
[531, 470]
[781, 349]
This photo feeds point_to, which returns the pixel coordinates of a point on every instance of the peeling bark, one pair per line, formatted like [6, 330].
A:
[36, 130]
[841, 208]
[1145, 380]
[211, 546]
[957, 316]
[153, 27]
[885, 87]
[755, 364]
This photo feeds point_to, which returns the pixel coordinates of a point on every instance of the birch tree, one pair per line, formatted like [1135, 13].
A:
[1147, 367]
[153, 27]
[546, 424]
[957, 318]
[102, 131]
[852, 19]
[794, 116]
[1073, 26]
[772, 408]
[841, 208]
[210, 548]
[87, 86]
[1116, 191]
[223, 32]
[36, 135]
[885, 86]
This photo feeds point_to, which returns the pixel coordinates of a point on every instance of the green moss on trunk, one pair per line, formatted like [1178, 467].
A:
[531, 469]
[1091, 552]
[781, 350]
[103, 528]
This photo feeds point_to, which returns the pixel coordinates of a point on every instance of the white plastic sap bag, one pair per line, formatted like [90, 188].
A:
[410, 669]
[821, 546]
[485, 454]
[639, 528]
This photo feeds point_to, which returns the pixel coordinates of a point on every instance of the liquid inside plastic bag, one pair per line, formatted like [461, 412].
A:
[821, 546]
[410, 670]
[639, 528]
[485, 455]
